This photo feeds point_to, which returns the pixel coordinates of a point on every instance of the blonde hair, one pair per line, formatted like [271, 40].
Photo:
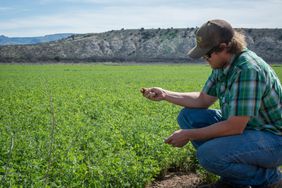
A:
[238, 43]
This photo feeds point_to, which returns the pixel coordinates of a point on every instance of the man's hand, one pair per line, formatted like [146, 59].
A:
[179, 138]
[154, 94]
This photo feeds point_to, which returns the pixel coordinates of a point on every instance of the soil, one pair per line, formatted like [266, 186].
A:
[177, 180]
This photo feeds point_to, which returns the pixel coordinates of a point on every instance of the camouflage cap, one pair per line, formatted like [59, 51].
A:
[210, 35]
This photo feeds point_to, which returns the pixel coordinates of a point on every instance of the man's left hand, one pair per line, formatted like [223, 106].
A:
[179, 138]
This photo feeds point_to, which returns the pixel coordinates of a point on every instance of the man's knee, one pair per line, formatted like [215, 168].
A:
[195, 118]
[211, 157]
[184, 117]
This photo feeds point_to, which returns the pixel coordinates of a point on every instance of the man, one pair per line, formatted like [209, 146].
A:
[241, 142]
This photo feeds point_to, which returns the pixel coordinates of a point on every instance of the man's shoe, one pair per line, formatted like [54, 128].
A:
[222, 184]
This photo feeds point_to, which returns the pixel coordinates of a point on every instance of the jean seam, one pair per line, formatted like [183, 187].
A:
[234, 156]
[222, 172]
[253, 151]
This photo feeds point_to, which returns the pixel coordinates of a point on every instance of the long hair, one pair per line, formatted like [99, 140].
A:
[238, 43]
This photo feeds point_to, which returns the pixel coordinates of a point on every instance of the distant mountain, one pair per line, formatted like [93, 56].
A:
[135, 45]
[32, 40]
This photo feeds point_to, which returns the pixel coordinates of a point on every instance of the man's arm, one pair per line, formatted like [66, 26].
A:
[190, 100]
[233, 126]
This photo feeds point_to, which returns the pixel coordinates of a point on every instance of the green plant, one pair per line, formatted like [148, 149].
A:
[85, 125]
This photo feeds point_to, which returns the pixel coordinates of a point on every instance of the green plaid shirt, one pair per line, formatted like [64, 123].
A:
[248, 87]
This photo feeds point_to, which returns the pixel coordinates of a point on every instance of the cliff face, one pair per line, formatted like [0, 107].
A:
[143, 45]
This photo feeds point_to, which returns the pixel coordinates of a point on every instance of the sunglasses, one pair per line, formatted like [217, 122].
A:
[209, 53]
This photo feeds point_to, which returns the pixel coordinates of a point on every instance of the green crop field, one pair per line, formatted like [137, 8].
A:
[88, 125]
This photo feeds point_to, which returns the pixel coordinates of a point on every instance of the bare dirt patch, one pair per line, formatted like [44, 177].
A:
[177, 180]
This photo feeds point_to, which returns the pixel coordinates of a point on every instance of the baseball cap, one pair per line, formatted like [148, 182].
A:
[210, 35]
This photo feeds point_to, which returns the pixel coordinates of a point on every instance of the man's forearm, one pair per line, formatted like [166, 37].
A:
[190, 100]
[213, 131]
[223, 128]
[233, 126]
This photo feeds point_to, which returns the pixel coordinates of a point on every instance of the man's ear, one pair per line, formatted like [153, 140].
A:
[223, 45]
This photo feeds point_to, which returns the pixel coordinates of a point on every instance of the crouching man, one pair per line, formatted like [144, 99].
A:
[241, 142]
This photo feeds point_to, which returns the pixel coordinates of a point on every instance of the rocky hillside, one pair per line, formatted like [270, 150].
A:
[142, 45]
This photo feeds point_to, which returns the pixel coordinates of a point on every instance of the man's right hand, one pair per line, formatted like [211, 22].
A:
[154, 93]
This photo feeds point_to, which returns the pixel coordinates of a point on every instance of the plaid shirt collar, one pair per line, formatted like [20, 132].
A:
[225, 70]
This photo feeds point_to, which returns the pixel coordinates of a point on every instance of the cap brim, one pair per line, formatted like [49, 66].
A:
[197, 52]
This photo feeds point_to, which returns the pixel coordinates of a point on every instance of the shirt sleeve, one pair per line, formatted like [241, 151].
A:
[210, 85]
[246, 94]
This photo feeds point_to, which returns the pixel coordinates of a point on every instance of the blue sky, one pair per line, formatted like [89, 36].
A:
[41, 17]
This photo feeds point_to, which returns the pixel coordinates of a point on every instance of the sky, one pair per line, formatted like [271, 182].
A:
[26, 18]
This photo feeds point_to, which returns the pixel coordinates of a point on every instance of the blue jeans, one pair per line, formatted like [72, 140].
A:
[251, 158]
